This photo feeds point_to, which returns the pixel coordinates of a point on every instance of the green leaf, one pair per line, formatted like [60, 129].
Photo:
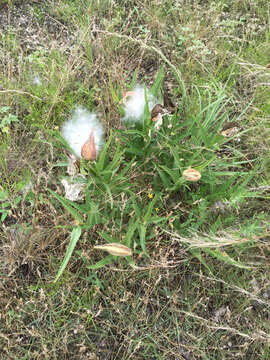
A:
[117, 156]
[173, 174]
[133, 80]
[226, 258]
[149, 210]
[155, 89]
[164, 178]
[105, 261]
[136, 208]
[4, 109]
[108, 190]
[142, 232]
[175, 153]
[131, 228]
[75, 235]
[93, 214]
[114, 95]
[68, 205]
[134, 151]
[197, 254]
[3, 216]
[146, 114]
[102, 156]
[3, 195]
[17, 200]
[5, 205]
[107, 237]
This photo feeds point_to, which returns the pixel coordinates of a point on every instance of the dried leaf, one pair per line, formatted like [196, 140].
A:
[115, 249]
[74, 191]
[73, 165]
[158, 121]
[157, 115]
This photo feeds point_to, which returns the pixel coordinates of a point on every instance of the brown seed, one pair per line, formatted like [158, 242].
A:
[268, 66]
[89, 150]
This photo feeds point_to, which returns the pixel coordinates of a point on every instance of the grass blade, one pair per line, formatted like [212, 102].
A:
[67, 205]
[105, 261]
[75, 235]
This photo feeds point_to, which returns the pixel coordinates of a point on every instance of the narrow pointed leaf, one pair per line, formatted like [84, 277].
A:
[75, 235]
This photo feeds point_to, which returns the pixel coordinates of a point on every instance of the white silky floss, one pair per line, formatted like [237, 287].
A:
[36, 80]
[134, 105]
[79, 127]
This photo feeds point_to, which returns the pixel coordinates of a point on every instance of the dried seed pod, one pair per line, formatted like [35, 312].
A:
[229, 132]
[157, 109]
[89, 150]
[115, 249]
[157, 115]
[191, 174]
[126, 95]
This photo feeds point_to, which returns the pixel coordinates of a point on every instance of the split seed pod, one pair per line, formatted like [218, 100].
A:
[157, 115]
[229, 132]
[126, 95]
[89, 150]
[157, 111]
[134, 103]
[115, 249]
[192, 174]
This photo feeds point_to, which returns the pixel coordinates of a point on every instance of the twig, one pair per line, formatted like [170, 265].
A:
[253, 336]
[21, 92]
[236, 288]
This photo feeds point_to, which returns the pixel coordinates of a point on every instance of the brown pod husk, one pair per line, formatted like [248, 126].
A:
[126, 96]
[192, 174]
[89, 150]
[115, 249]
[157, 109]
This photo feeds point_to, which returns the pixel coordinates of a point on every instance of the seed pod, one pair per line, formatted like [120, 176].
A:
[126, 95]
[115, 249]
[89, 150]
[157, 110]
[229, 132]
[191, 174]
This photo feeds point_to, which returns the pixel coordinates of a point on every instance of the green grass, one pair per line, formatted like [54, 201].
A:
[197, 284]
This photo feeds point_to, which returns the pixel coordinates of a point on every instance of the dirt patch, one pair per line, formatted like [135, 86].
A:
[34, 29]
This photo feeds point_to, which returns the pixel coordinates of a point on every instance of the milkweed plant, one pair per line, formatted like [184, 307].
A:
[146, 182]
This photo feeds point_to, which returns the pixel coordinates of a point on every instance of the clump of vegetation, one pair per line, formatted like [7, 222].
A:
[179, 172]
